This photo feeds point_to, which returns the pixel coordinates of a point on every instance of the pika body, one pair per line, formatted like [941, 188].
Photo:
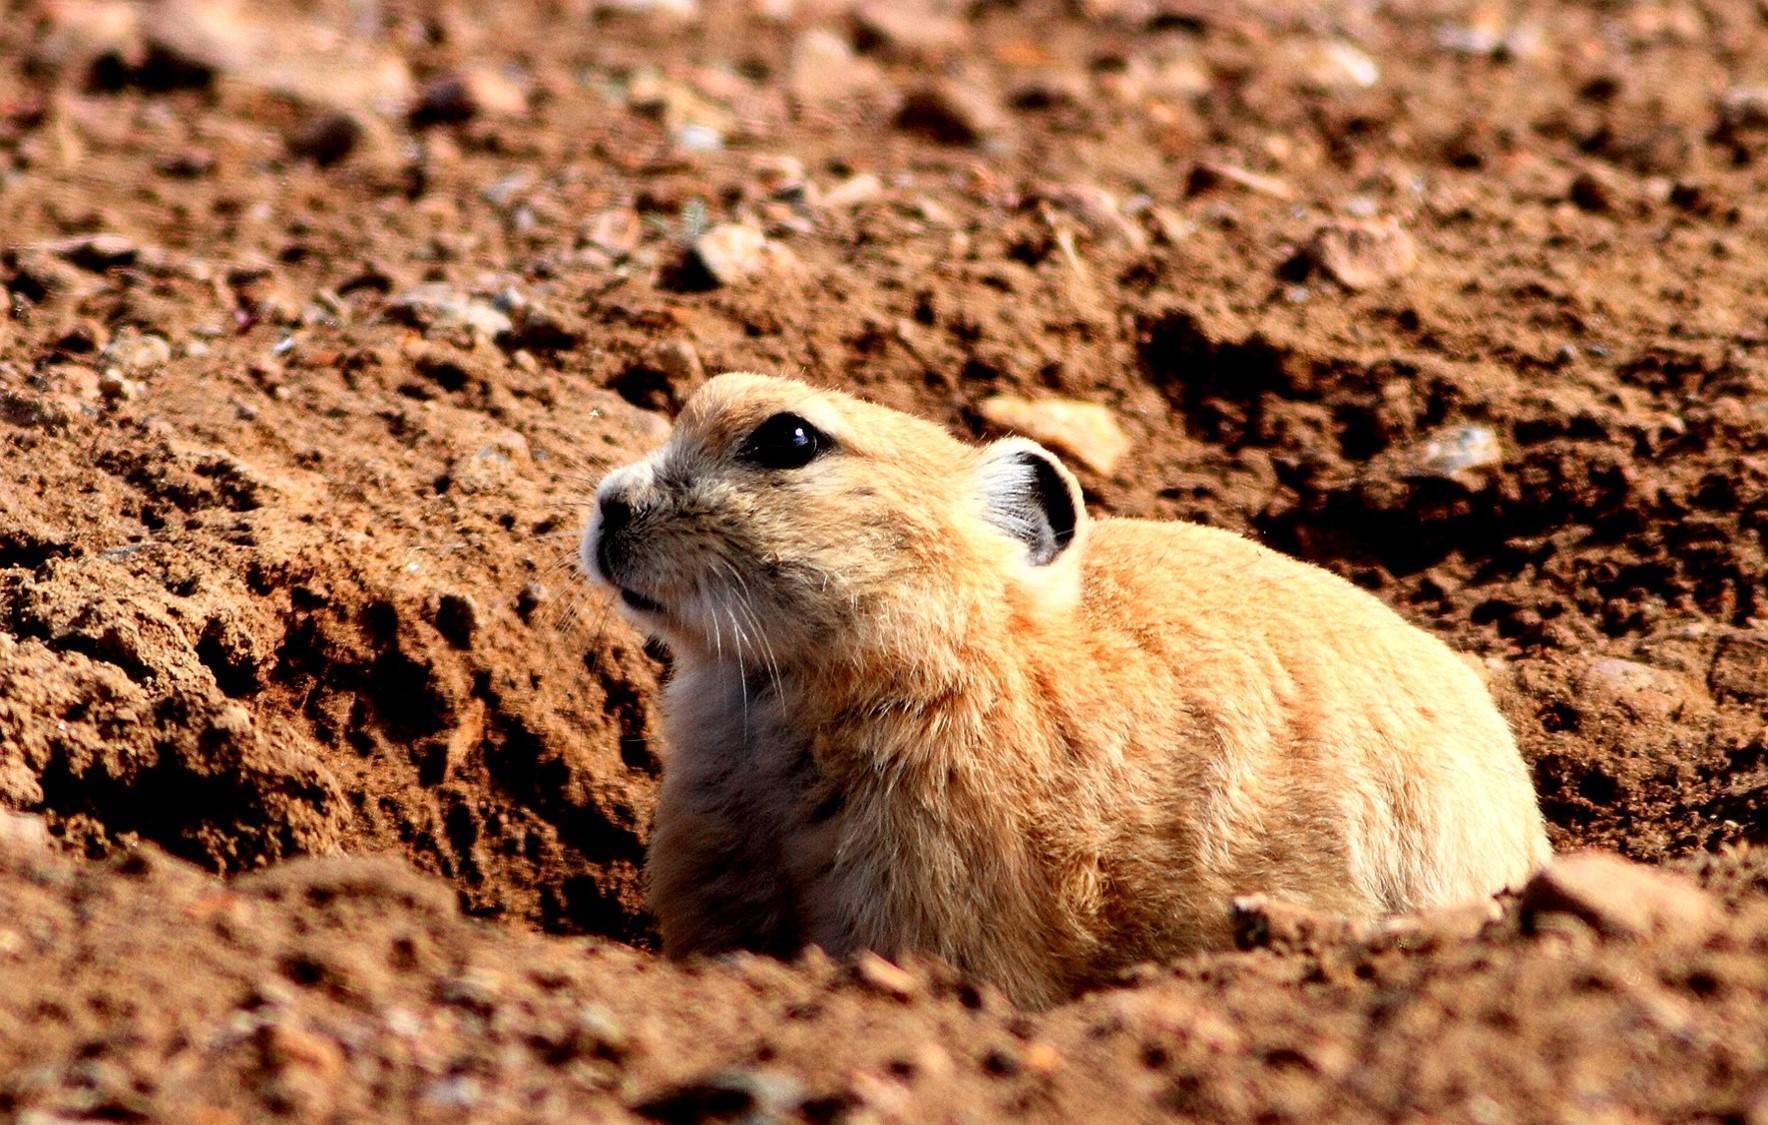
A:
[924, 704]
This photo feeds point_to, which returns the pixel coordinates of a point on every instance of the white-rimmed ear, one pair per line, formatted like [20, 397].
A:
[1030, 495]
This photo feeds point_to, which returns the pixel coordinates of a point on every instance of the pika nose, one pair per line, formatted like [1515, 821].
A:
[616, 514]
[611, 547]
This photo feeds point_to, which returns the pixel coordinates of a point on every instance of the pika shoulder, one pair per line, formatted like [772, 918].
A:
[923, 704]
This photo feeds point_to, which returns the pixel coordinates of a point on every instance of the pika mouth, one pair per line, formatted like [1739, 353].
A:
[638, 601]
[606, 556]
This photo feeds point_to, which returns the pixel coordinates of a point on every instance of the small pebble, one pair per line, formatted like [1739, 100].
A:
[1208, 175]
[1333, 65]
[1362, 254]
[1640, 691]
[469, 93]
[117, 387]
[327, 139]
[919, 28]
[1591, 193]
[884, 977]
[1086, 431]
[1457, 453]
[136, 351]
[442, 306]
[732, 253]
[950, 112]
[823, 69]
[854, 191]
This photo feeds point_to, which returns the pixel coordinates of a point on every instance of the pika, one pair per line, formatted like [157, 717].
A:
[923, 704]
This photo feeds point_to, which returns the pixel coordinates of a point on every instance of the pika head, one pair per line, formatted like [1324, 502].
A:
[781, 521]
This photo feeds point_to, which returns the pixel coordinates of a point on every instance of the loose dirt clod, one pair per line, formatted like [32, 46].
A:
[1362, 255]
[1619, 898]
[23, 830]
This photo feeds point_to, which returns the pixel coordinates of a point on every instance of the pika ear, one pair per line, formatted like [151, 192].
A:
[1030, 495]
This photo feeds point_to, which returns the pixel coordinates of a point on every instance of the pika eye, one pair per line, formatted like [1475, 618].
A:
[784, 441]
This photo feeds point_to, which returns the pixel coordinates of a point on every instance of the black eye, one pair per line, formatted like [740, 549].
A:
[784, 441]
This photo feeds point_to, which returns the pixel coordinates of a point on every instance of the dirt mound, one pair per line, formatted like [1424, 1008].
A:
[348, 986]
[320, 324]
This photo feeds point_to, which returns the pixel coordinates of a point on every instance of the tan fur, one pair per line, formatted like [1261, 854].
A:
[888, 729]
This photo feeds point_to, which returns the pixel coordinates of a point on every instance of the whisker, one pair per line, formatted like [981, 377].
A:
[769, 658]
[568, 534]
[578, 605]
[717, 641]
[601, 630]
[746, 601]
[742, 677]
[564, 567]
[572, 457]
[562, 612]
[587, 485]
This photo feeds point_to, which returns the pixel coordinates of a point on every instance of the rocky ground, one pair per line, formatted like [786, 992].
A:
[327, 784]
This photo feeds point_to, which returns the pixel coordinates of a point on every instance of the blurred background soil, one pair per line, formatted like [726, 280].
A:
[325, 785]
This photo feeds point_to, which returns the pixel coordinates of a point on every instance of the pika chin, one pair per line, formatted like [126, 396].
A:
[923, 704]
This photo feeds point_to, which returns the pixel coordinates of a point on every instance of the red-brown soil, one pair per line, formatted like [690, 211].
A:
[329, 784]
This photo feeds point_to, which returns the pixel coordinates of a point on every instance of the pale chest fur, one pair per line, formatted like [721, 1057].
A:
[742, 791]
[894, 831]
